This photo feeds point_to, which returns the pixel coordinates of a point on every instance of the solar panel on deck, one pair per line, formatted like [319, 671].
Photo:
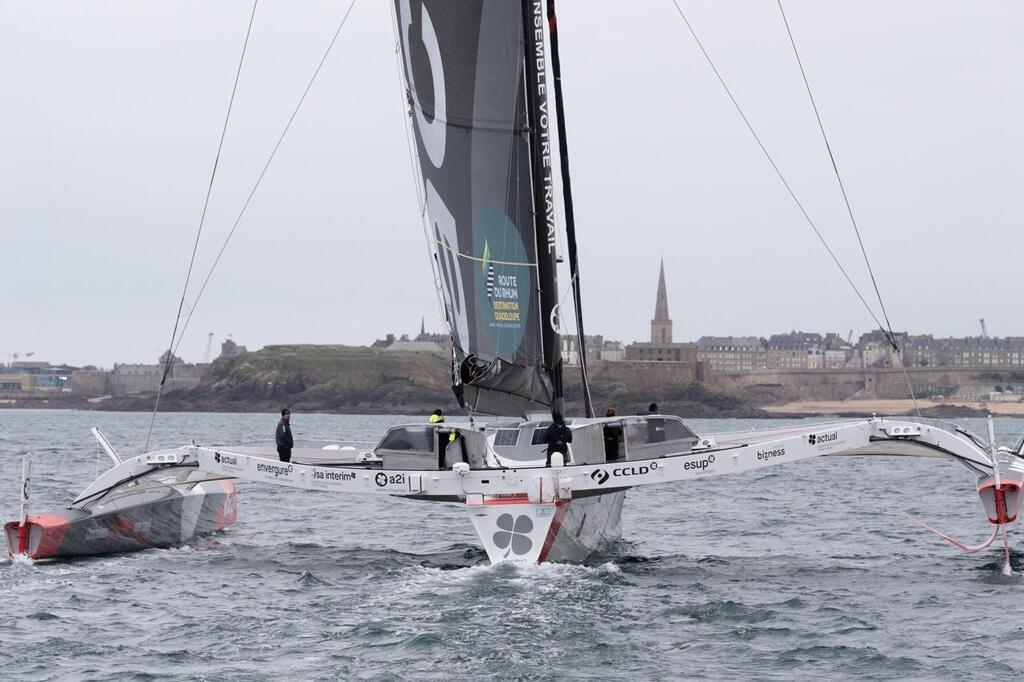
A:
[506, 438]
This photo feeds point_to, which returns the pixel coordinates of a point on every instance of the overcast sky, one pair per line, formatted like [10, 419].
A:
[112, 111]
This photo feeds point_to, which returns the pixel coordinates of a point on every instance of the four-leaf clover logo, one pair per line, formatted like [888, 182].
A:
[812, 439]
[513, 535]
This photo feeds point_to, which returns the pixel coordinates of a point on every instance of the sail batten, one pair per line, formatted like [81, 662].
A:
[470, 70]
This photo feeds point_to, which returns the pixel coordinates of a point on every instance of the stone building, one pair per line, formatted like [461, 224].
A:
[923, 350]
[732, 353]
[133, 378]
[597, 349]
[796, 350]
[230, 349]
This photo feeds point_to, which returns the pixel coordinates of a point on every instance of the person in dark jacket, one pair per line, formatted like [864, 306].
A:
[284, 437]
[558, 436]
[612, 437]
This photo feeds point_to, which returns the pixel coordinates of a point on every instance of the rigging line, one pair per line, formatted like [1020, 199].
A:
[906, 375]
[839, 179]
[273, 153]
[774, 166]
[889, 334]
[459, 254]
[199, 232]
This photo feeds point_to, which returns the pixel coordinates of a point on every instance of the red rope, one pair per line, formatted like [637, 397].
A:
[960, 545]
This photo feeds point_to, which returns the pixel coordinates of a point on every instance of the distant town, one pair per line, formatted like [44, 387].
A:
[813, 365]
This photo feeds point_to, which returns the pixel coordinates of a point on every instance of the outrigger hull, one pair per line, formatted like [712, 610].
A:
[151, 518]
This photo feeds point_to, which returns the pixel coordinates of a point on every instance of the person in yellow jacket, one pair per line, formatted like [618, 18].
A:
[436, 419]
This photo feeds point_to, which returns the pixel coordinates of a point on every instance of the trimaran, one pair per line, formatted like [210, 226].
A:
[477, 80]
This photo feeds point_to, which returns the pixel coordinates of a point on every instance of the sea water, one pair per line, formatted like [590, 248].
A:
[800, 571]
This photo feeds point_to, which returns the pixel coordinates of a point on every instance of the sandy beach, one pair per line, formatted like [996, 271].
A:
[889, 407]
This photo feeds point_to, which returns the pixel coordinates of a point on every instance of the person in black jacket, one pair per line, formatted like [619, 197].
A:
[558, 436]
[613, 437]
[283, 437]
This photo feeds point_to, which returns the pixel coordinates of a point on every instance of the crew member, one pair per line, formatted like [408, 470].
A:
[558, 436]
[612, 437]
[284, 436]
[437, 419]
[655, 427]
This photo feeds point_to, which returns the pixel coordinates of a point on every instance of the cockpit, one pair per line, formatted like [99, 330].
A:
[510, 445]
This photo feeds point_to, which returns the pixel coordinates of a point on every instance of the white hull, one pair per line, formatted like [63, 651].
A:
[566, 531]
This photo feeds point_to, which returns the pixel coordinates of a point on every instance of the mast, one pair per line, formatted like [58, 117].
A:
[543, 191]
[570, 218]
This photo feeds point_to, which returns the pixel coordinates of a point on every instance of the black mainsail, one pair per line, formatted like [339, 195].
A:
[476, 80]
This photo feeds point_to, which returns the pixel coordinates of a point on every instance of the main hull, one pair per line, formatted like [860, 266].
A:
[563, 531]
[156, 517]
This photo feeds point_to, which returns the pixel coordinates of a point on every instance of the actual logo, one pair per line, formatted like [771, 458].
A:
[821, 438]
[225, 459]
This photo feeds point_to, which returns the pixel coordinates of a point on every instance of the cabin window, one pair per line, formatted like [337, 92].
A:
[656, 430]
[410, 438]
[538, 435]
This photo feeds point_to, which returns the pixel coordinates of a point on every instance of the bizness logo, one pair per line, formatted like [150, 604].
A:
[513, 534]
[599, 476]
[773, 452]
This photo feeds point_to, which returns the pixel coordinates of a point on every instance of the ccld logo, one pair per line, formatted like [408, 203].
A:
[599, 476]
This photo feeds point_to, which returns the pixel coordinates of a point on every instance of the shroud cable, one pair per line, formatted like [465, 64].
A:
[169, 360]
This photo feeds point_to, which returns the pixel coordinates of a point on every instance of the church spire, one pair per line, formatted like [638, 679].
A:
[661, 305]
[661, 325]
